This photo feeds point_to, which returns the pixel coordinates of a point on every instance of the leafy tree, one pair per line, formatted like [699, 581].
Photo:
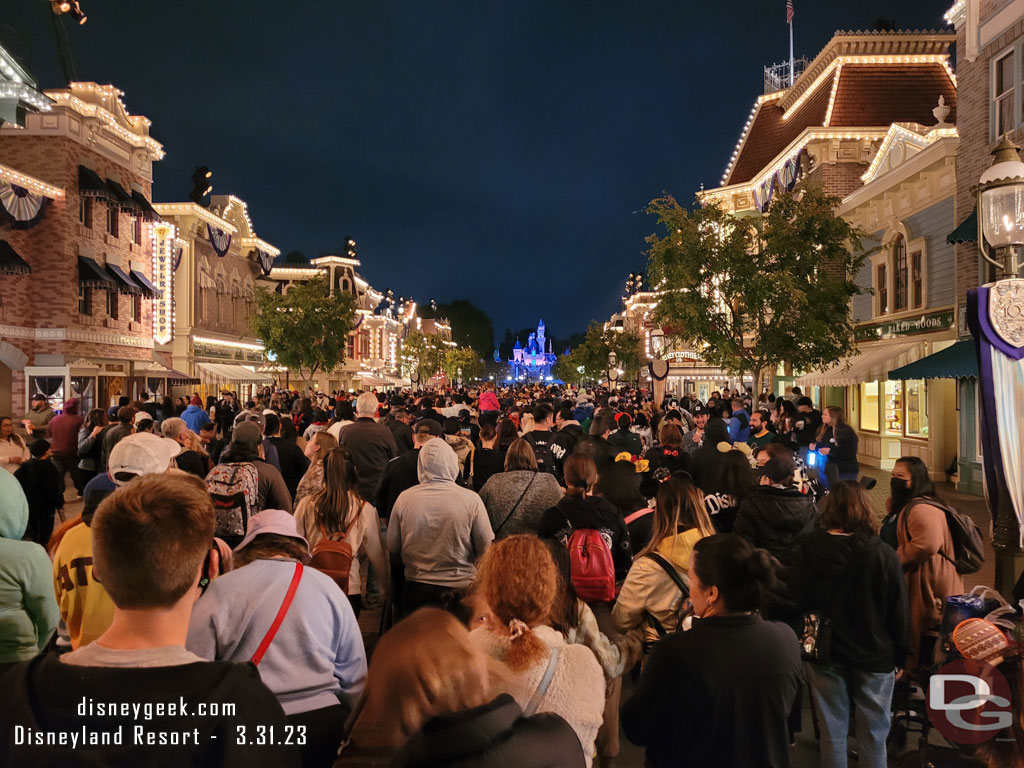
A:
[750, 294]
[421, 353]
[465, 358]
[306, 329]
[471, 327]
[593, 353]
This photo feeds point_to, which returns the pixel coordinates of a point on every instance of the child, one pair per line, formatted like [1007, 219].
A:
[41, 481]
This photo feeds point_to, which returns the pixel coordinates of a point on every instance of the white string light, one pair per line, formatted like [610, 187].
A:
[85, 109]
[31, 183]
[201, 213]
[898, 131]
[227, 344]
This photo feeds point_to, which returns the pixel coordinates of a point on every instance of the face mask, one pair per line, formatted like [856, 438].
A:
[900, 492]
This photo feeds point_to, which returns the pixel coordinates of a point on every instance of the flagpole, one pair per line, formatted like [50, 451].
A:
[791, 54]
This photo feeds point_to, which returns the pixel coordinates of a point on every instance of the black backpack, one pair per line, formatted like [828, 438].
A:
[968, 547]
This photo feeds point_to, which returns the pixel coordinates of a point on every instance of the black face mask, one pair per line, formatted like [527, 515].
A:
[900, 493]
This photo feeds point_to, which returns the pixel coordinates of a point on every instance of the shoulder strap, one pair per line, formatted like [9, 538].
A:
[918, 500]
[545, 681]
[281, 612]
[516, 505]
[671, 571]
[638, 514]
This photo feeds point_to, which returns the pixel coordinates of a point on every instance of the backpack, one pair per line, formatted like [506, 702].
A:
[968, 548]
[592, 568]
[542, 450]
[234, 489]
[333, 555]
[683, 589]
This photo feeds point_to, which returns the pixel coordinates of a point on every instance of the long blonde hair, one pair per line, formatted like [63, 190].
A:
[679, 505]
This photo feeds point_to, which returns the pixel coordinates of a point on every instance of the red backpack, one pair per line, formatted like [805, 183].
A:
[332, 555]
[593, 571]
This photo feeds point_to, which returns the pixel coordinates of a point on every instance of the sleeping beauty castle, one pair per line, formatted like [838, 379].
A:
[532, 362]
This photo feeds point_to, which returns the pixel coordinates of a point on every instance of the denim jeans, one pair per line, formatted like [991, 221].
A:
[832, 687]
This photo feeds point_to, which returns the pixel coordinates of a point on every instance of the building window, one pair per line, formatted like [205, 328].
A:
[916, 420]
[869, 406]
[112, 299]
[1003, 94]
[917, 279]
[84, 300]
[85, 211]
[894, 408]
[899, 274]
[137, 230]
[112, 220]
[882, 287]
[137, 308]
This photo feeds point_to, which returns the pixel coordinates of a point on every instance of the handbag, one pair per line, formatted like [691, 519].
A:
[516, 505]
[816, 638]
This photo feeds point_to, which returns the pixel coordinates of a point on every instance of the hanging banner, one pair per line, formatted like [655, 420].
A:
[219, 239]
[22, 207]
[163, 273]
[265, 259]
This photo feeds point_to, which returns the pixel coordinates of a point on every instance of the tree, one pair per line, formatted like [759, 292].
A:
[421, 353]
[464, 358]
[471, 327]
[750, 294]
[593, 353]
[306, 329]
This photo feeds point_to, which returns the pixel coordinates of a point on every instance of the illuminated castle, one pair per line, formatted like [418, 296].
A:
[534, 361]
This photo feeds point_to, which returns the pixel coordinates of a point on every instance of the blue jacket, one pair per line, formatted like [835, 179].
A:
[195, 417]
[739, 426]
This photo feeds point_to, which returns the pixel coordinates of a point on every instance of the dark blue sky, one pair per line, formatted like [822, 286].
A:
[501, 152]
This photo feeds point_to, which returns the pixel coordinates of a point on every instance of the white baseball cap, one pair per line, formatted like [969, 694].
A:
[141, 454]
[140, 417]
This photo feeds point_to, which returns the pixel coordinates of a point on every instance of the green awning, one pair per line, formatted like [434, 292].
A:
[967, 232]
[958, 361]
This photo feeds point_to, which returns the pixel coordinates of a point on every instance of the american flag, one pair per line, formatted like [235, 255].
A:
[789, 11]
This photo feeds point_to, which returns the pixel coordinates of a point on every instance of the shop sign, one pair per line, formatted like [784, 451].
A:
[163, 272]
[908, 326]
[681, 355]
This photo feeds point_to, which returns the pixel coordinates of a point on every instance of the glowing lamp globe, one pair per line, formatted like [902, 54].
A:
[1001, 198]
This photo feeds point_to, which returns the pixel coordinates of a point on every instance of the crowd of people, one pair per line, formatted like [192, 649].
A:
[529, 550]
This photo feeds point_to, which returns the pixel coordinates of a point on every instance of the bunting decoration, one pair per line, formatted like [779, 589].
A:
[20, 206]
[786, 178]
[266, 260]
[219, 239]
[177, 257]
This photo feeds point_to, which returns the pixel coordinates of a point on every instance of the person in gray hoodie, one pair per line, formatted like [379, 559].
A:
[436, 533]
[28, 609]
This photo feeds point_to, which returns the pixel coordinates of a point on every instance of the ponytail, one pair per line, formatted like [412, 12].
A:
[524, 646]
[742, 574]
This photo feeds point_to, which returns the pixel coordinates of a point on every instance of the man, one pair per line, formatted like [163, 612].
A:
[247, 446]
[147, 405]
[569, 434]
[38, 417]
[694, 438]
[188, 460]
[293, 462]
[436, 532]
[41, 482]
[141, 659]
[63, 436]
[427, 411]
[739, 426]
[225, 412]
[776, 514]
[121, 430]
[707, 460]
[212, 444]
[541, 437]
[624, 439]
[760, 434]
[142, 422]
[195, 416]
[401, 474]
[795, 395]
[122, 401]
[398, 421]
[371, 444]
[806, 424]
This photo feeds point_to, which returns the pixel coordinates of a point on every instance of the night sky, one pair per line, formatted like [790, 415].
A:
[501, 152]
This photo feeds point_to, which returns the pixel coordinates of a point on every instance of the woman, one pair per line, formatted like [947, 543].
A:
[90, 445]
[837, 442]
[508, 433]
[732, 667]
[843, 572]
[669, 453]
[338, 509]
[736, 482]
[642, 427]
[518, 581]
[315, 663]
[620, 485]
[485, 461]
[315, 450]
[517, 498]
[13, 451]
[429, 698]
[650, 594]
[925, 548]
[343, 416]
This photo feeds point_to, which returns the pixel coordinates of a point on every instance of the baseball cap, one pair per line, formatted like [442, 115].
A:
[141, 454]
[38, 396]
[140, 417]
[271, 521]
[428, 427]
[247, 433]
[698, 410]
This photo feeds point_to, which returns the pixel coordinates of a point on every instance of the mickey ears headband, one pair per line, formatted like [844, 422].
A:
[640, 465]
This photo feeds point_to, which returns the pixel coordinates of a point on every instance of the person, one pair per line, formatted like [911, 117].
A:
[337, 508]
[486, 461]
[846, 574]
[224, 412]
[123, 428]
[28, 611]
[430, 704]
[837, 442]
[402, 473]
[371, 445]
[426, 411]
[518, 582]
[707, 459]
[739, 424]
[650, 597]
[147, 405]
[293, 462]
[210, 443]
[63, 436]
[90, 445]
[806, 424]
[624, 438]
[436, 532]
[642, 427]
[398, 421]
[694, 438]
[669, 453]
[189, 460]
[564, 443]
[488, 400]
[37, 419]
[246, 446]
[122, 401]
[40, 481]
[760, 431]
[459, 443]
[620, 485]
[731, 667]
[581, 509]
[596, 444]
[541, 437]
[517, 498]
[141, 661]
[195, 416]
[735, 483]
[344, 415]
[776, 515]
[925, 548]
[13, 451]
[315, 663]
[142, 422]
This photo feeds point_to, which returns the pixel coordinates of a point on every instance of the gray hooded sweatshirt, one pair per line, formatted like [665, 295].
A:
[438, 528]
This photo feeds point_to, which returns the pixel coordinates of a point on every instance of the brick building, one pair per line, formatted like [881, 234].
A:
[80, 322]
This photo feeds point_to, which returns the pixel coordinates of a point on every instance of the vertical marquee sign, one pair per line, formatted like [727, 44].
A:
[163, 273]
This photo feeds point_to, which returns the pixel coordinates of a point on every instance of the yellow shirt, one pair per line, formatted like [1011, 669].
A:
[84, 604]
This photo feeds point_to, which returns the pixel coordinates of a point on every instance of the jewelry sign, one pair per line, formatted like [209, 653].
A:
[163, 273]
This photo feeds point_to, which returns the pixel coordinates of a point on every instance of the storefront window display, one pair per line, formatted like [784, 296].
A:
[893, 406]
[917, 412]
[869, 406]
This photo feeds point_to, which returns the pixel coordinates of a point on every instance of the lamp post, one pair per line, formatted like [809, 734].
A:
[996, 318]
[613, 374]
[458, 376]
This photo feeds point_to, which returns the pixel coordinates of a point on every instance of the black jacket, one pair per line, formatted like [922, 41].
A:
[402, 433]
[717, 696]
[399, 475]
[541, 440]
[774, 518]
[575, 512]
[857, 581]
[30, 702]
[372, 446]
[481, 464]
[495, 734]
[672, 458]
[293, 462]
[564, 445]
[811, 420]
[625, 440]
[707, 460]
[842, 448]
[40, 481]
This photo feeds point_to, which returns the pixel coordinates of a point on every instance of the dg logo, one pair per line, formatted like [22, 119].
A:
[969, 702]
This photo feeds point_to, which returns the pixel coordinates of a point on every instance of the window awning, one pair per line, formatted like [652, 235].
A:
[872, 364]
[92, 275]
[221, 374]
[967, 232]
[120, 196]
[10, 262]
[959, 361]
[148, 289]
[91, 185]
[145, 208]
[155, 370]
[370, 379]
[124, 283]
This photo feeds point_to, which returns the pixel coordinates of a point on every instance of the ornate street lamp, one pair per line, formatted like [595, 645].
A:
[1001, 210]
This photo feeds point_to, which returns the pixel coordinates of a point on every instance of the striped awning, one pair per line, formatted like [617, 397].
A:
[10, 262]
[222, 374]
[872, 363]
